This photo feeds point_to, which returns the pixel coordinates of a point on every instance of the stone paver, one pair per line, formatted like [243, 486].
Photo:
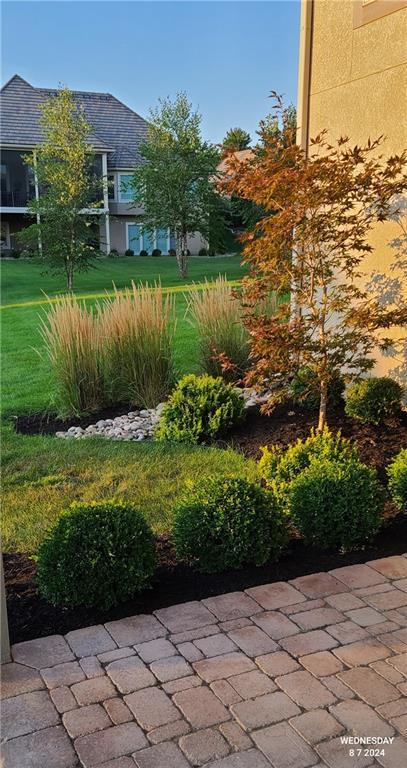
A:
[17, 678]
[305, 690]
[63, 674]
[223, 666]
[272, 596]
[308, 642]
[201, 707]
[318, 585]
[202, 746]
[284, 747]
[253, 641]
[180, 618]
[44, 652]
[264, 710]
[113, 742]
[129, 674]
[27, 713]
[270, 677]
[90, 641]
[234, 605]
[369, 686]
[161, 756]
[50, 747]
[316, 726]
[136, 629]
[152, 708]
[80, 722]
[276, 624]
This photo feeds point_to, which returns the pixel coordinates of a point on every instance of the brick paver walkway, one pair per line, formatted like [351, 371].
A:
[276, 675]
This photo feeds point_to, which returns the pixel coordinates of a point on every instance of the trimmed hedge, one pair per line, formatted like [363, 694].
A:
[97, 555]
[228, 522]
[337, 504]
[397, 474]
[200, 409]
[373, 400]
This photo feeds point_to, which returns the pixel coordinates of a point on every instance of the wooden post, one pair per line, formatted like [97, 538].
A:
[5, 640]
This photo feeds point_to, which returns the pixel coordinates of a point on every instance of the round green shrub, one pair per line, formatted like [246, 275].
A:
[143, 253]
[203, 252]
[280, 466]
[98, 555]
[228, 522]
[199, 409]
[156, 252]
[397, 474]
[304, 389]
[113, 253]
[373, 400]
[172, 252]
[337, 503]
[129, 252]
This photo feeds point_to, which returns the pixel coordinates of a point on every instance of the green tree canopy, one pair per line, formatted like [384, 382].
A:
[236, 139]
[175, 183]
[64, 165]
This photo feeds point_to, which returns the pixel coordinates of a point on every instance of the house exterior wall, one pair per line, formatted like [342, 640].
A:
[353, 81]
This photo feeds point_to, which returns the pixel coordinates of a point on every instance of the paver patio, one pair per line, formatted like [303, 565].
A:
[277, 676]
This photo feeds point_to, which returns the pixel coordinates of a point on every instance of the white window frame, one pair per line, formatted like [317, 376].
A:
[133, 223]
[119, 187]
[113, 188]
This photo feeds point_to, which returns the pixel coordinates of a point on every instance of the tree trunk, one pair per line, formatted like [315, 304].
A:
[182, 256]
[322, 406]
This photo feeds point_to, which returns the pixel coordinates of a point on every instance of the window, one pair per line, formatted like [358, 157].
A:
[148, 240]
[126, 193]
[365, 11]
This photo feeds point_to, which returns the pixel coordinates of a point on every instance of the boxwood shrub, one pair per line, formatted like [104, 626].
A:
[397, 474]
[228, 522]
[373, 400]
[199, 409]
[304, 389]
[98, 554]
[279, 466]
[337, 503]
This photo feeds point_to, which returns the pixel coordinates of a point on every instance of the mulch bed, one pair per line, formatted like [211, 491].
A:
[30, 616]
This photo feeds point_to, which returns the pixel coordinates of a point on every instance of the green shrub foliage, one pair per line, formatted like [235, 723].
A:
[98, 555]
[280, 466]
[305, 389]
[337, 503]
[228, 522]
[199, 409]
[129, 252]
[143, 253]
[397, 474]
[373, 400]
[156, 252]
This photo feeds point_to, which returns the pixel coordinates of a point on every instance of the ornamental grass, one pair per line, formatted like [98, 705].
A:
[223, 340]
[137, 332]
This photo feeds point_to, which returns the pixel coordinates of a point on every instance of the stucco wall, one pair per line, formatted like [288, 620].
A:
[358, 87]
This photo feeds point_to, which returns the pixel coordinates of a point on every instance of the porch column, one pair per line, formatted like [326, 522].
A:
[5, 641]
[106, 201]
[37, 197]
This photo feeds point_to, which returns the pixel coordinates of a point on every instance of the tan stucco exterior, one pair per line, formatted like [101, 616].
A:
[353, 81]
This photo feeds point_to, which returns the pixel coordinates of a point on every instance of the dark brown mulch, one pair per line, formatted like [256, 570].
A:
[47, 422]
[376, 445]
[30, 616]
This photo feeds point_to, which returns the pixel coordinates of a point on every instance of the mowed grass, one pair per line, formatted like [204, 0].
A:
[43, 475]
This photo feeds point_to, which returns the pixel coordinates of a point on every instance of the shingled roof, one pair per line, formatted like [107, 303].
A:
[116, 129]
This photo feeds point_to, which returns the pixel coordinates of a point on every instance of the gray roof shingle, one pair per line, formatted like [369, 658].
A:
[115, 127]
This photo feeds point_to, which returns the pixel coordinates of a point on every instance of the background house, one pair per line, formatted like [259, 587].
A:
[117, 133]
[353, 82]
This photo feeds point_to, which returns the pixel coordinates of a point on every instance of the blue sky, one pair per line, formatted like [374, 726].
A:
[227, 56]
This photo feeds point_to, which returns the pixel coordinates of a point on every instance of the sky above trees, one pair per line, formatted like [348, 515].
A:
[227, 55]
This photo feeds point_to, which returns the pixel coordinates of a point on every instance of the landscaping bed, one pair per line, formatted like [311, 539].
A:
[30, 616]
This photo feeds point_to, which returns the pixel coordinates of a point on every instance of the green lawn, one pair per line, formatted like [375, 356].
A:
[42, 475]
